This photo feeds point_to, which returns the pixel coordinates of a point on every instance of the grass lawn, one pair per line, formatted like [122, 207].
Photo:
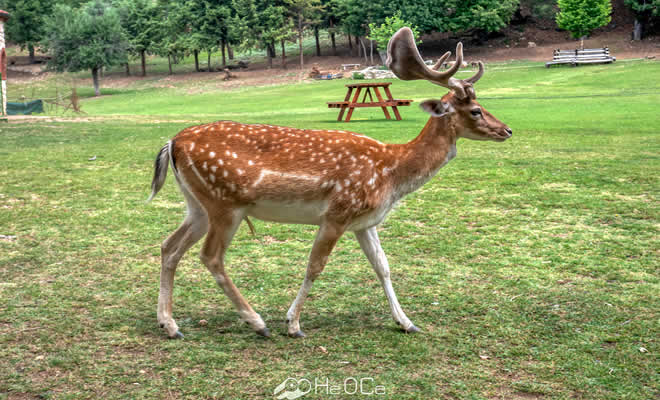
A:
[531, 266]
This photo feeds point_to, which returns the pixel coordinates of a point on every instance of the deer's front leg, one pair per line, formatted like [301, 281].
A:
[326, 238]
[370, 244]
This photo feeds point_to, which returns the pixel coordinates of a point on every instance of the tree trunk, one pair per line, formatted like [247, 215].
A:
[208, 60]
[143, 59]
[318, 44]
[334, 45]
[230, 51]
[283, 54]
[637, 30]
[95, 79]
[364, 51]
[350, 44]
[31, 51]
[300, 41]
[196, 52]
[223, 45]
[128, 70]
[169, 62]
[269, 54]
[371, 51]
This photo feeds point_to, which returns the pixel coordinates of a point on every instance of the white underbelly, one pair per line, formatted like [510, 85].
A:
[370, 219]
[292, 212]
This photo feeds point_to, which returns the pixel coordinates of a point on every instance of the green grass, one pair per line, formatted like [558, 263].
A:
[531, 266]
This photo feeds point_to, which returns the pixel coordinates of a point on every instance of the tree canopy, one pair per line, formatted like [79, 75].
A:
[581, 17]
[26, 26]
[88, 38]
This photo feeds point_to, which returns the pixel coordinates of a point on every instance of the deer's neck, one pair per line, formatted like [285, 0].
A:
[420, 159]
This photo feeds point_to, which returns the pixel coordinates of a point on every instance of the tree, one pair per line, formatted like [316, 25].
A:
[330, 19]
[26, 26]
[139, 18]
[382, 34]
[88, 38]
[172, 31]
[261, 23]
[645, 11]
[304, 14]
[581, 17]
[211, 25]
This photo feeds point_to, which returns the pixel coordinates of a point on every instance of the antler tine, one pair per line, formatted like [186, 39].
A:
[459, 60]
[441, 61]
[473, 79]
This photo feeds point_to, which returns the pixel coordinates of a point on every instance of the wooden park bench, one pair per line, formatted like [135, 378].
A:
[585, 56]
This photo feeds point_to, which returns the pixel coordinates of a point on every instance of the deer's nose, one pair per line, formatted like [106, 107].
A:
[509, 131]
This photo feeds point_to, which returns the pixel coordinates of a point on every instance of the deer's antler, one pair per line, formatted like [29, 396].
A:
[404, 60]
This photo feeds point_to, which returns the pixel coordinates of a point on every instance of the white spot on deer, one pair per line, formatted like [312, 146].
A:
[212, 178]
[225, 173]
[192, 146]
[214, 168]
[227, 153]
[220, 161]
[239, 171]
[204, 167]
[338, 187]
[285, 175]
[234, 155]
[250, 163]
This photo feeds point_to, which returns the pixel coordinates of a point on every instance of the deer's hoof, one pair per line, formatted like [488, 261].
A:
[298, 334]
[177, 335]
[263, 332]
[412, 329]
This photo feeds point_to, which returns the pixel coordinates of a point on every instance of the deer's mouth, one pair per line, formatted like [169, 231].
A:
[504, 135]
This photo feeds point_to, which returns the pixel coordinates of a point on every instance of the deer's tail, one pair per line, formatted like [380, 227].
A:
[160, 169]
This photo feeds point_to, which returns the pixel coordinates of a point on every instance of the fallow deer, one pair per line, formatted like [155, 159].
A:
[341, 181]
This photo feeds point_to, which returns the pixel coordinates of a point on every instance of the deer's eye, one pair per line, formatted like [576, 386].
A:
[476, 112]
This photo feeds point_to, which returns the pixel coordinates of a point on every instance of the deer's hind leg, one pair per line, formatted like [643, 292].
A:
[224, 222]
[192, 229]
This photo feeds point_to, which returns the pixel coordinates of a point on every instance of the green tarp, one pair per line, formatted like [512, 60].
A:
[35, 106]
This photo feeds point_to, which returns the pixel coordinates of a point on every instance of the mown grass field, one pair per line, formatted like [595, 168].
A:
[531, 266]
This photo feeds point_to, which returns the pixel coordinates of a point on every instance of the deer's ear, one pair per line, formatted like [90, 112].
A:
[437, 108]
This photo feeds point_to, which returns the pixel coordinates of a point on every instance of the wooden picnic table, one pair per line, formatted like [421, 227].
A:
[351, 104]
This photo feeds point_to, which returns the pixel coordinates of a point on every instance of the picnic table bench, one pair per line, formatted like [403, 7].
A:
[577, 56]
[353, 103]
[344, 67]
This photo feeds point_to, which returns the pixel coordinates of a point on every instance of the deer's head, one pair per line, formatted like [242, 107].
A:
[472, 121]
